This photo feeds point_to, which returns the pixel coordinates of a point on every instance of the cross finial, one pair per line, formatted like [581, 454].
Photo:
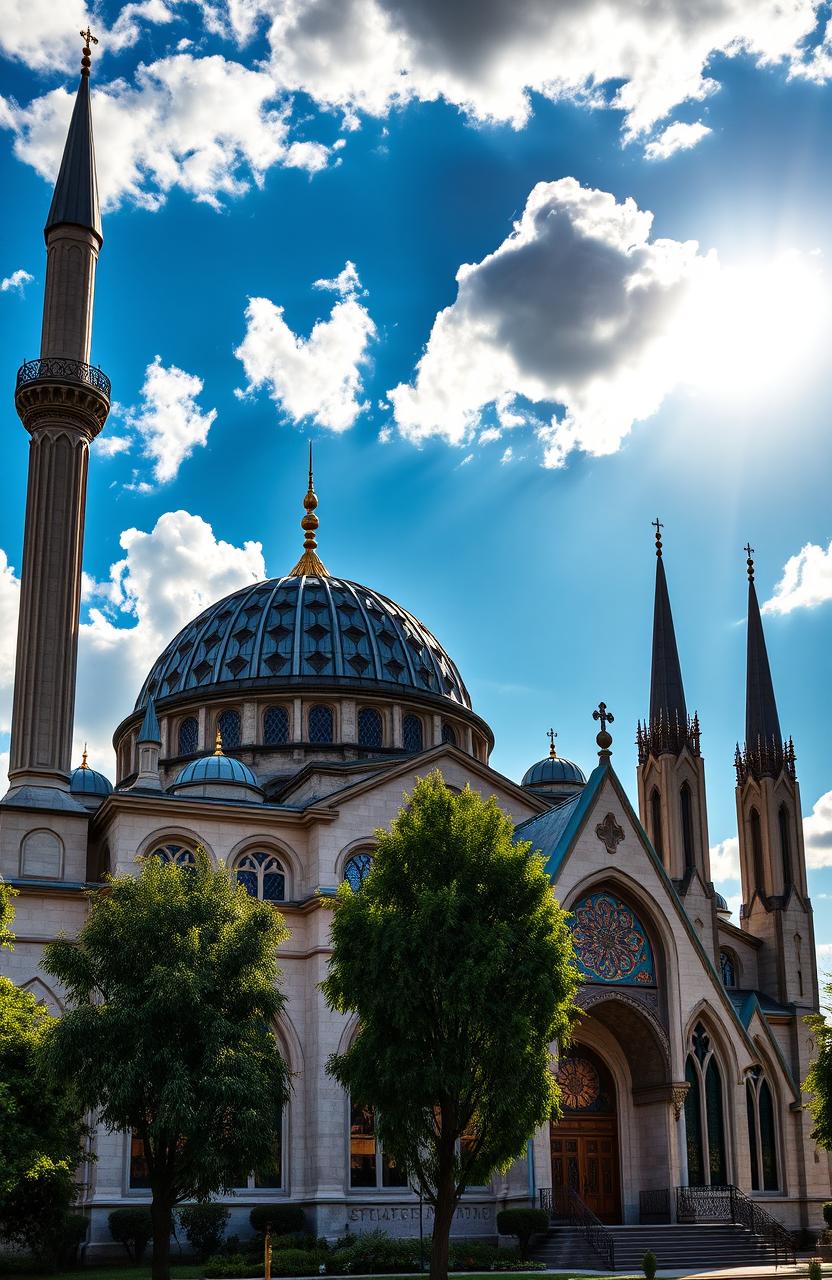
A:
[658, 526]
[84, 764]
[88, 38]
[553, 755]
[749, 551]
[606, 717]
[218, 743]
[604, 738]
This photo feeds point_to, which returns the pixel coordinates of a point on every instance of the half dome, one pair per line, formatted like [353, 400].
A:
[554, 770]
[216, 769]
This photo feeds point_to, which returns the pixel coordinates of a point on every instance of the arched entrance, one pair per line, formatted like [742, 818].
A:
[584, 1142]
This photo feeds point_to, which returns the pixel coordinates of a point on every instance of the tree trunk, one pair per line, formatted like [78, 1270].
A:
[444, 1209]
[161, 1217]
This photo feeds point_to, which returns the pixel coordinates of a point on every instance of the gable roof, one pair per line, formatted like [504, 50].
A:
[553, 832]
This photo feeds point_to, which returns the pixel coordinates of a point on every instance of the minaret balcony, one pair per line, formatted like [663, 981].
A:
[56, 383]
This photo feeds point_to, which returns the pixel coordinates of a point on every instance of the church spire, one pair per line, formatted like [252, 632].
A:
[763, 740]
[667, 694]
[310, 563]
[75, 199]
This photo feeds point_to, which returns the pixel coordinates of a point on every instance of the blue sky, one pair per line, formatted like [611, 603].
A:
[239, 161]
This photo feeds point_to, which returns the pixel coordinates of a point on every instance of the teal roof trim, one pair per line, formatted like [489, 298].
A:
[552, 832]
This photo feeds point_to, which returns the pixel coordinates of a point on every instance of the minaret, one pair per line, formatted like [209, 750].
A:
[63, 403]
[776, 905]
[671, 771]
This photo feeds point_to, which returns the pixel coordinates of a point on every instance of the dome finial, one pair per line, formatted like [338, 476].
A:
[88, 38]
[749, 551]
[218, 751]
[84, 764]
[553, 755]
[658, 526]
[604, 739]
[310, 563]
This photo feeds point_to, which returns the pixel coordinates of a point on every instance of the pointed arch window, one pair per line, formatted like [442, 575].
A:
[728, 968]
[175, 854]
[261, 875]
[188, 737]
[704, 1113]
[357, 869]
[686, 809]
[229, 726]
[656, 821]
[276, 727]
[320, 724]
[762, 1132]
[370, 729]
[756, 849]
[783, 818]
[412, 734]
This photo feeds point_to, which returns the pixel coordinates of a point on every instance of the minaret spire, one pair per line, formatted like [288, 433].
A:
[75, 199]
[763, 739]
[310, 563]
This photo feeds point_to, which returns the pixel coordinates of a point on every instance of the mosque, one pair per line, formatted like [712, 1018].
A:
[279, 730]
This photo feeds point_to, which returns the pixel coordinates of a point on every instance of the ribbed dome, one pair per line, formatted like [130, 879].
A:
[296, 630]
[553, 770]
[85, 781]
[721, 904]
[216, 769]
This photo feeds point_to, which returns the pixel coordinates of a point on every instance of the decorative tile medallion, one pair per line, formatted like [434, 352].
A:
[610, 942]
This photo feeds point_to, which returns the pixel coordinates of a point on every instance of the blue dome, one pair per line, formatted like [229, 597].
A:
[297, 630]
[216, 769]
[552, 771]
[720, 903]
[85, 781]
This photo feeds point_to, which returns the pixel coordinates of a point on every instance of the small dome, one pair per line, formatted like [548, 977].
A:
[216, 768]
[722, 908]
[554, 770]
[85, 781]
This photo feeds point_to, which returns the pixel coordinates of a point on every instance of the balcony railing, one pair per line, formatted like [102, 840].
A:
[60, 369]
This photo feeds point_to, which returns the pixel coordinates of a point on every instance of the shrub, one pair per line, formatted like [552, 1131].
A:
[204, 1225]
[523, 1223]
[70, 1234]
[648, 1265]
[282, 1218]
[233, 1265]
[294, 1240]
[815, 1269]
[132, 1228]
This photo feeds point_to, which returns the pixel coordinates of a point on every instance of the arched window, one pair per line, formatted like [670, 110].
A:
[448, 734]
[611, 944]
[785, 847]
[656, 821]
[762, 1139]
[412, 735]
[229, 727]
[176, 854]
[370, 733]
[757, 850]
[357, 869]
[368, 1165]
[262, 875]
[704, 1115]
[188, 737]
[728, 968]
[276, 727]
[320, 724]
[686, 806]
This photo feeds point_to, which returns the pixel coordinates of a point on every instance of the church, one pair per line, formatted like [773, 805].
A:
[279, 730]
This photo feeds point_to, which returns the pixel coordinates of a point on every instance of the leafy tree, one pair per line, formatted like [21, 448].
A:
[172, 996]
[41, 1131]
[458, 962]
[818, 1082]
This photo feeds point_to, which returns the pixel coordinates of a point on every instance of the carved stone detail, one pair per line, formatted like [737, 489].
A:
[609, 833]
[678, 1095]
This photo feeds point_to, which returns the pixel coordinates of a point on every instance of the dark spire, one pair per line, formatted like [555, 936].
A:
[763, 740]
[75, 199]
[667, 694]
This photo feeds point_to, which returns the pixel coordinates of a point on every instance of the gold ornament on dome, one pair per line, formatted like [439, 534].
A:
[578, 1082]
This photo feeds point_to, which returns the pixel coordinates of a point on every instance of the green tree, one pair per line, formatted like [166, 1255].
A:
[458, 962]
[172, 998]
[818, 1082]
[41, 1131]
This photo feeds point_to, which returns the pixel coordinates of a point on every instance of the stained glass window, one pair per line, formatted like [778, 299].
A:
[751, 1111]
[686, 806]
[611, 944]
[768, 1143]
[175, 853]
[229, 727]
[188, 737]
[693, 1127]
[716, 1126]
[412, 736]
[369, 728]
[357, 869]
[448, 734]
[728, 969]
[276, 726]
[320, 724]
[262, 876]
[785, 847]
[762, 1137]
[757, 850]
[656, 821]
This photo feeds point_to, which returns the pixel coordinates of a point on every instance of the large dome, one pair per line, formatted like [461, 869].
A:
[298, 629]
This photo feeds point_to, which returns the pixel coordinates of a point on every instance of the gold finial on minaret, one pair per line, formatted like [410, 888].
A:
[310, 564]
[218, 751]
[553, 755]
[88, 38]
[749, 551]
[84, 764]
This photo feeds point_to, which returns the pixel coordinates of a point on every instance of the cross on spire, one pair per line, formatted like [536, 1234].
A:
[553, 755]
[749, 551]
[658, 526]
[88, 38]
[606, 717]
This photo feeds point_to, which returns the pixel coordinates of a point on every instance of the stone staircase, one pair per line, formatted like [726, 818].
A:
[700, 1246]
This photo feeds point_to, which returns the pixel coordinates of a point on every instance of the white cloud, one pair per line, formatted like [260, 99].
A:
[806, 580]
[676, 137]
[169, 421]
[9, 600]
[508, 454]
[578, 307]
[207, 125]
[486, 56]
[44, 34]
[17, 281]
[319, 377]
[725, 860]
[817, 833]
[107, 446]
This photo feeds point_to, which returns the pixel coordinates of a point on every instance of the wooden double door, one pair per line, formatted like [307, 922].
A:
[585, 1158]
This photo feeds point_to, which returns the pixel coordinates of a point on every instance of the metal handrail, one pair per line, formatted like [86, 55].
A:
[567, 1204]
[62, 369]
[729, 1204]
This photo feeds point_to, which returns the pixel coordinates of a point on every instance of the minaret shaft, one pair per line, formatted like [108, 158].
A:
[71, 260]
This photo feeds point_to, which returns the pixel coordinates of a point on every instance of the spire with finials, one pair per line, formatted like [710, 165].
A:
[765, 753]
[310, 564]
[553, 755]
[668, 728]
